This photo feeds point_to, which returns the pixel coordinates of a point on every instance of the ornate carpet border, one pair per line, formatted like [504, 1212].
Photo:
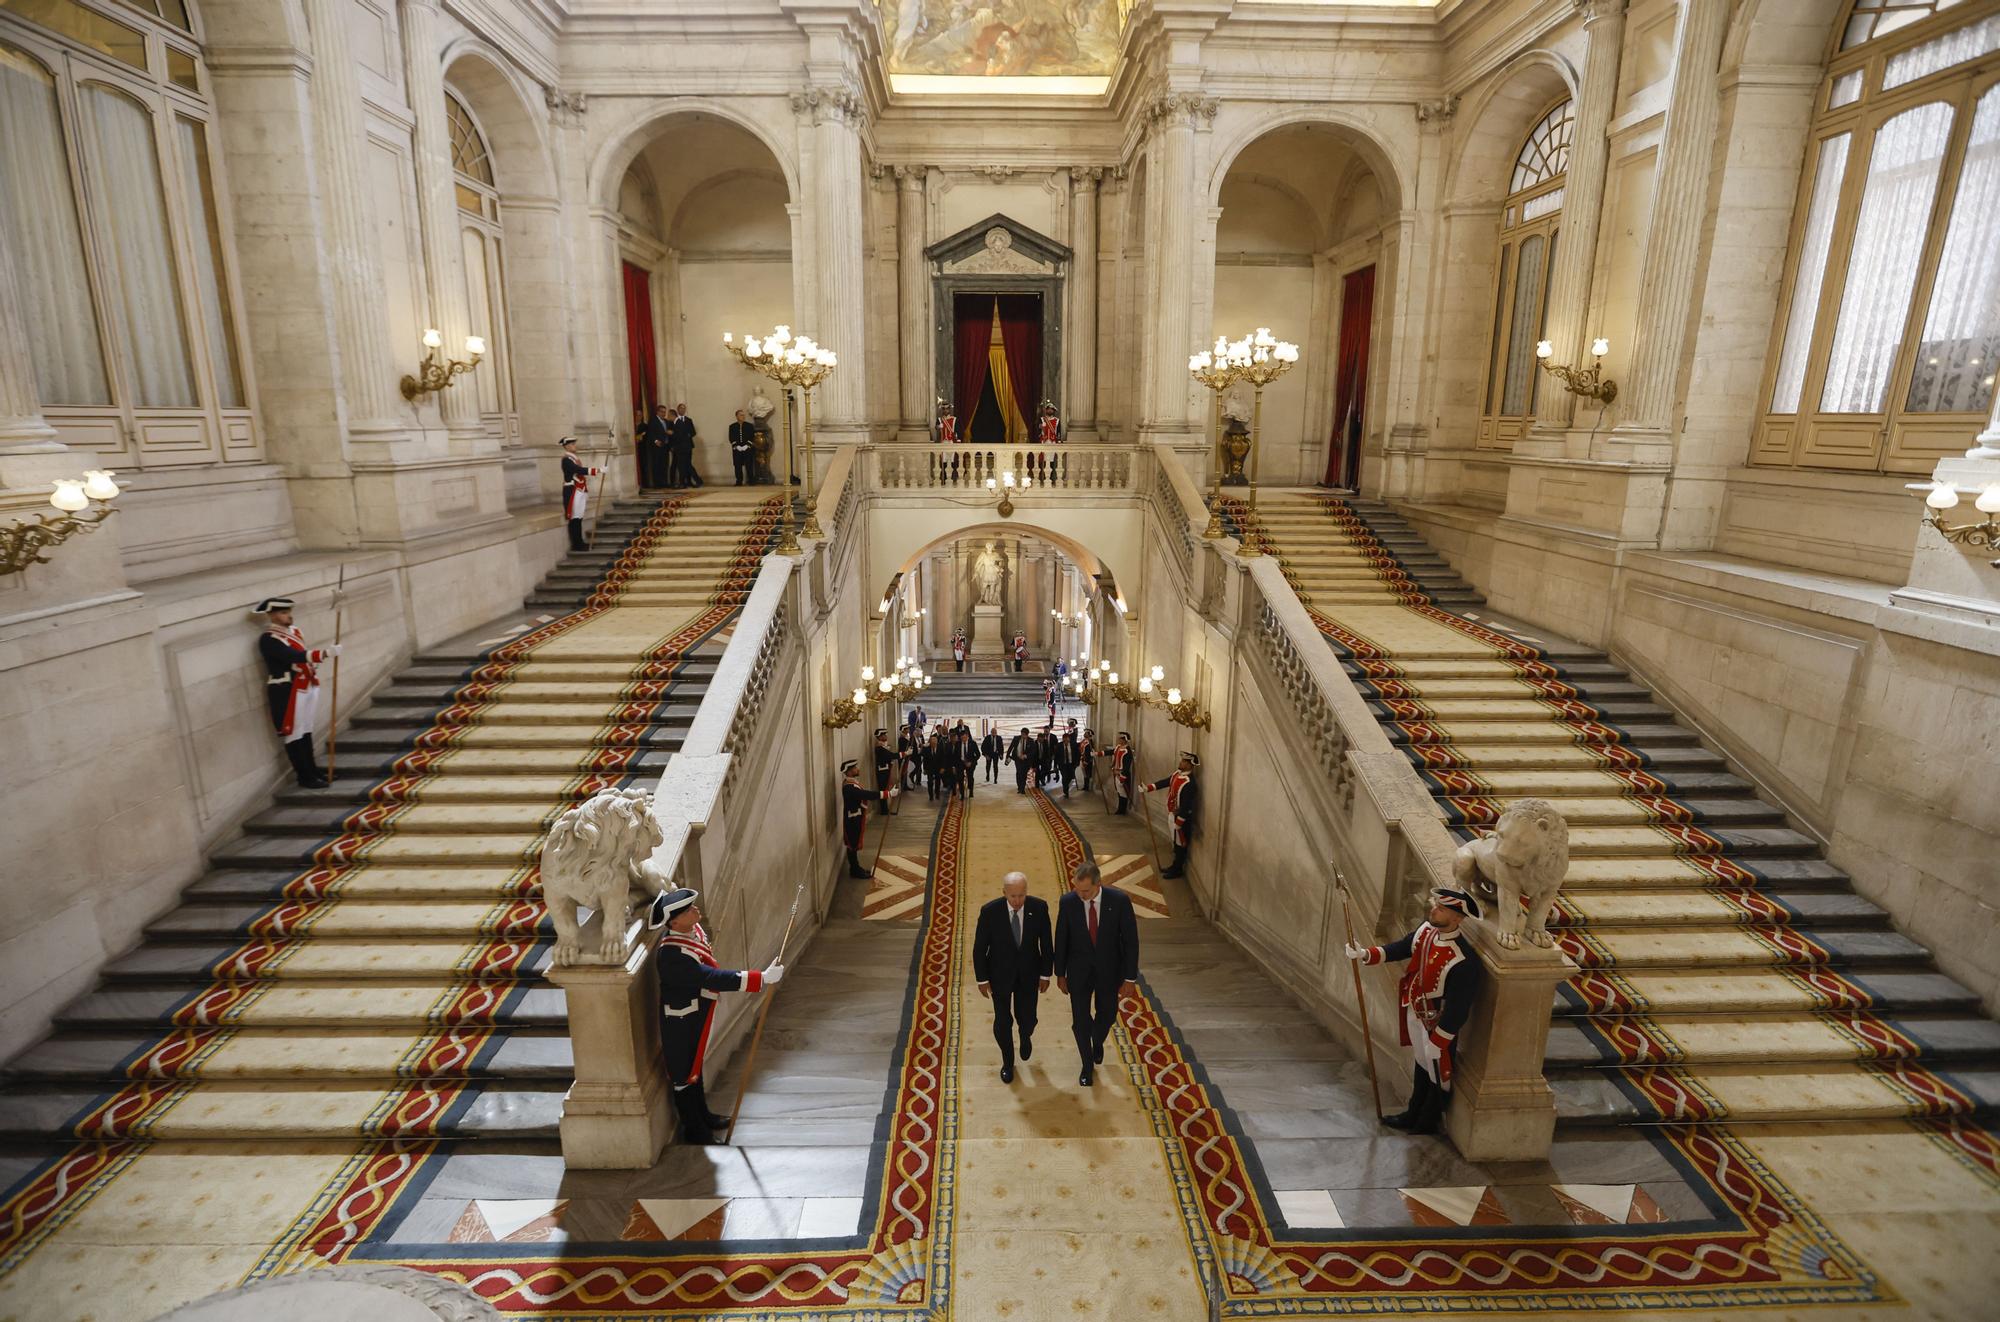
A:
[1765, 1249]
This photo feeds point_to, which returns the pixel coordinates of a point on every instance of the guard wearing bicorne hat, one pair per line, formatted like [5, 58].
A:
[1121, 771]
[854, 797]
[576, 492]
[885, 762]
[1436, 995]
[291, 686]
[1020, 651]
[690, 984]
[1183, 809]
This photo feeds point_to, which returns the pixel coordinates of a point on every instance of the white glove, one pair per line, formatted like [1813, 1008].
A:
[774, 975]
[330, 652]
[1354, 951]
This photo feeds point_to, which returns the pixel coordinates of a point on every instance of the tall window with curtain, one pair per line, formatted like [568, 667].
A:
[1530, 218]
[1885, 351]
[116, 224]
[485, 268]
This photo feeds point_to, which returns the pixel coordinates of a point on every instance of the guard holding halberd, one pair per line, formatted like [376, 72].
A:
[1436, 995]
[690, 984]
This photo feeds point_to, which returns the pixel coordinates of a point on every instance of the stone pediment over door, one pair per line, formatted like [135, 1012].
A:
[998, 245]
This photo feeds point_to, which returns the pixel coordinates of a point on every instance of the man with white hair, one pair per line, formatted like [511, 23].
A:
[1012, 955]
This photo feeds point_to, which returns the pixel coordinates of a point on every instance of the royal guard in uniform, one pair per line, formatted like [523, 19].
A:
[854, 798]
[291, 686]
[576, 492]
[1049, 426]
[1087, 749]
[690, 984]
[885, 762]
[906, 750]
[1436, 995]
[1020, 651]
[947, 425]
[1121, 771]
[1183, 809]
[958, 649]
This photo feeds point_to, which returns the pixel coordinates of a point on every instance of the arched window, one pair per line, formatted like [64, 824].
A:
[1529, 219]
[485, 285]
[1889, 326]
[116, 225]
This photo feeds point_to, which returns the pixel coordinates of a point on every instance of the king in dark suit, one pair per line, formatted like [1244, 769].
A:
[1012, 955]
[1097, 958]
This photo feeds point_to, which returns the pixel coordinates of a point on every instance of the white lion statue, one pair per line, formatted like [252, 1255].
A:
[1524, 860]
[594, 856]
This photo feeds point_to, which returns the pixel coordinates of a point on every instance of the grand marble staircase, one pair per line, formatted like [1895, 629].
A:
[366, 960]
[1727, 969]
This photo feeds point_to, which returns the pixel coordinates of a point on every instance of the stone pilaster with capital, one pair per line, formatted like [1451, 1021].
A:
[913, 303]
[1080, 359]
[1174, 117]
[834, 116]
[1583, 201]
[437, 204]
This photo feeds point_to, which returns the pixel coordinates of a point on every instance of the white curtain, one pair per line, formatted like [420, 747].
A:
[1882, 265]
[1518, 399]
[133, 206]
[45, 239]
[1811, 274]
[199, 188]
[1956, 357]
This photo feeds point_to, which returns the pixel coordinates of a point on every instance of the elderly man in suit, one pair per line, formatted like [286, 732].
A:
[1012, 953]
[1097, 959]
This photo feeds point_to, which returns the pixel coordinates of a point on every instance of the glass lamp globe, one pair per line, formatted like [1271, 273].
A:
[433, 338]
[68, 495]
[97, 484]
[1145, 684]
[1173, 697]
[860, 697]
[1989, 500]
[1943, 496]
[475, 345]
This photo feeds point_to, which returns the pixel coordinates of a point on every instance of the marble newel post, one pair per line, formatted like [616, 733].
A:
[1080, 358]
[367, 377]
[840, 406]
[1673, 239]
[913, 305]
[437, 205]
[1583, 199]
[615, 1113]
[1501, 1107]
[1170, 413]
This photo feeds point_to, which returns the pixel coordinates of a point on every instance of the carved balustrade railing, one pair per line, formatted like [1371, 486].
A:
[1083, 467]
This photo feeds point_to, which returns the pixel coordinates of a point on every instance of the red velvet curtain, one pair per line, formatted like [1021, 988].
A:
[1021, 332]
[1350, 381]
[974, 328]
[639, 351]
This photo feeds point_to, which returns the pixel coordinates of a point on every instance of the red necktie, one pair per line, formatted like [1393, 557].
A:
[1091, 909]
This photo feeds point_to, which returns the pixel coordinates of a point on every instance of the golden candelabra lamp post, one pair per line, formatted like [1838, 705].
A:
[1212, 369]
[791, 362]
[24, 542]
[1262, 360]
[1151, 691]
[1985, 535]
[899, 685]
[1007, 484]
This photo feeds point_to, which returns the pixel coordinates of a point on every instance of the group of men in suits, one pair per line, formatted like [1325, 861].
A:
[1047, 758]
[945, 762]
[666, 450]
[1093, 955]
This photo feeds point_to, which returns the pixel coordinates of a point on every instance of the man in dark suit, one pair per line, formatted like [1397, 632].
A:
[991, 747]
[968, 756]
[656, 441]
[1069, 755]
[1021, 752]
[683, 449]
[1012, 953]
[1097, 958]
[743, 449]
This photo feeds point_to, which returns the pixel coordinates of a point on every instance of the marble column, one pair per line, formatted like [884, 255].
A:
[1583, 200]
[840, 410]
[1673, 237]
[913, 303]
[437, 205]
[1080, 360]
[1174, 115]
[367, 372]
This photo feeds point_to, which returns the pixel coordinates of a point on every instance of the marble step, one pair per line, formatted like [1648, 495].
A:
[1504, 688]
[1629, 812]
[1730, 842]
[1624, 951]
[566, 738]
[359, 767]
[1747, 1038]
[1773, 991]
[1538, 729]
[489, 849]
[375, 881]
[381, 1054]
[356, 918]
[441, 682]
[1572, 669]
[1623, 713]
[163, 1003]
[675, 709]
[1485, 756]
[692, 596]
[1590, 875]
[1750, 1092]
[262, 1109]
[442, 786]
[1685, 786]
[535, 693]
[444, 959]
[1602, 910]
[471, 818]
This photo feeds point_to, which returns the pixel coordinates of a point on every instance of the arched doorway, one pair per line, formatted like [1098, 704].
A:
[1530, 225]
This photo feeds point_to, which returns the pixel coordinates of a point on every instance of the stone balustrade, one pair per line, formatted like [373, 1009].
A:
[1095, 468]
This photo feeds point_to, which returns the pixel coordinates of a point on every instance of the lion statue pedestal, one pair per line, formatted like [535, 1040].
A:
[595, 856]
[1522, 862]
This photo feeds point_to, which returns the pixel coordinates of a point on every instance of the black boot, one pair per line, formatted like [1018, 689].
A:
[576, 542]
[299, 752]
[1432, 1117]
[692, 1104]
[854, 868]
[1411, 1115]
[1179, 866]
